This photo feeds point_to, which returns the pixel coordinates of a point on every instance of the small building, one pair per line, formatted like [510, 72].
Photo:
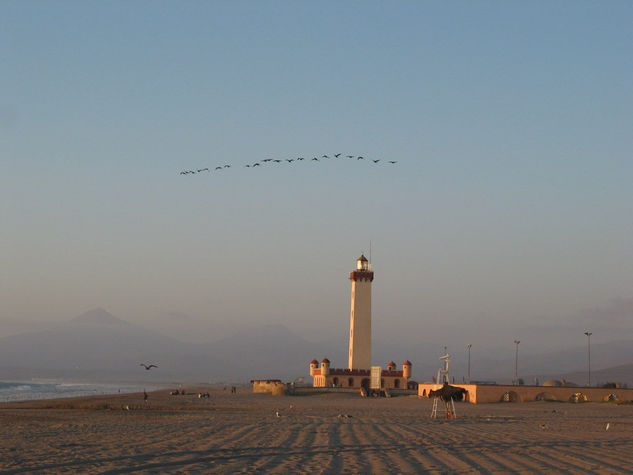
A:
[269, 386]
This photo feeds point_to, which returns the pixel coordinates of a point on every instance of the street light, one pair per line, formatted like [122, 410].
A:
[469, 347]
[516, 363]
[588, 358]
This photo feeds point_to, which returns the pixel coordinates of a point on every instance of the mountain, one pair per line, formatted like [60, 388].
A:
[97, 343]
[99, 346]
[270, 352]
[98, 316]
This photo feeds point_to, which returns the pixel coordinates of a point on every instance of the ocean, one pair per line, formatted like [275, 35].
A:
[34, 390]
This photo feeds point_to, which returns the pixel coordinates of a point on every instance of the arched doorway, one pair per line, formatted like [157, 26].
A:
[578, 397]
[396, 383]
[365, 384]
[335, 382]
[510, 396]
[350, 382]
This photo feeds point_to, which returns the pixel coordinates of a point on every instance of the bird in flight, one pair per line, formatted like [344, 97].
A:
[277, 161]
[315, 159]
[337, 155]
[325, 156]
[300, 158]
[393, 161]
[376, 161]
[148, 366]
[218, 168]
[290, 160]
[350, 156]
[360, 158]
[227, 166]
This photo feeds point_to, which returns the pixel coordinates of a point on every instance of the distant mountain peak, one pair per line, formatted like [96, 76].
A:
[99, 316]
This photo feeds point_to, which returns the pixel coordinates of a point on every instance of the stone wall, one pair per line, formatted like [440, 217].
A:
[485, 393]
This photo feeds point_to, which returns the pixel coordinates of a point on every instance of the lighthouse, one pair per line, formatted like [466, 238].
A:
[359, 369]
[360, 316]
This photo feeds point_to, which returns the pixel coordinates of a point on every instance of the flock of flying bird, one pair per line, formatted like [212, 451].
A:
[267, 161]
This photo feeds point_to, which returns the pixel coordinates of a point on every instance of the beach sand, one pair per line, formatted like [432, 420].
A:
[242, 433]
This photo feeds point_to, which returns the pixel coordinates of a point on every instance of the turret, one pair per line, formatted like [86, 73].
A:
[314, 364]
[325, 367]
[391, 366]
[406, 369]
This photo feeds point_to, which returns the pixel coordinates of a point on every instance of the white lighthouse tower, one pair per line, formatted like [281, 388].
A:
[360, 316]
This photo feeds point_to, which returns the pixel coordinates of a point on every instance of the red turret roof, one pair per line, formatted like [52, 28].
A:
[325, 360]
[407, 362]
[314, 362]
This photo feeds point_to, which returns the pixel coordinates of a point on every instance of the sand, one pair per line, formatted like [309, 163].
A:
[241, 433]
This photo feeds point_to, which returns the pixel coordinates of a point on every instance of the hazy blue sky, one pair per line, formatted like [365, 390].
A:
[508, 214]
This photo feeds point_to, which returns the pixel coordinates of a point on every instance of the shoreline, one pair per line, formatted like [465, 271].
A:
[47, 389]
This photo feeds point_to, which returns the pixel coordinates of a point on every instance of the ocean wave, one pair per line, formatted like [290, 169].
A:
[15, 387]
[28, 391]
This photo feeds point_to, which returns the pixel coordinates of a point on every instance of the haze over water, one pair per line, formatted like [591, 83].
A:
[507, 214]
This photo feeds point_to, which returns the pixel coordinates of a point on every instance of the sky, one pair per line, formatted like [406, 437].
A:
[507, 215]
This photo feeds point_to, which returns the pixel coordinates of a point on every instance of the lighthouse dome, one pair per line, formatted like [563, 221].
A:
[362, 263]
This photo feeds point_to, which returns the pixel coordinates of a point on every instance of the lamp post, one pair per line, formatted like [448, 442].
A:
[516, 363]
[469, 347]
[588, 358]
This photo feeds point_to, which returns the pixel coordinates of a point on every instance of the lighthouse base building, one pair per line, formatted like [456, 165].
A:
[326, 377]
[358, 373]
